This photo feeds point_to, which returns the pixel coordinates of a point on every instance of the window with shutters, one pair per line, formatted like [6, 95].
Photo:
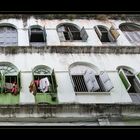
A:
[37, 36]
[68, 32]
[8, 36]
[45, 84]
[10, 78]
[106, 35]
[131, 32]
[86, 79]
[130, 80]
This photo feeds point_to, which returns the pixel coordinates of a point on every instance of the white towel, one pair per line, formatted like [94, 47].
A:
[44, 84]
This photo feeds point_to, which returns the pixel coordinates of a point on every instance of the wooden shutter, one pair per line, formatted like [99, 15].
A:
[1, 83]
[54, 82]
[111, 38]
[90, 81]
[29, 32]
[61, 36]
[138, 75]
[2, 35]
[124, 79]
[83, 34]
[11, 38]
[137, 82]
[106, 82]
[19, 81]
[44, 34]
[70, 34]
[98, 32]
[114, 32]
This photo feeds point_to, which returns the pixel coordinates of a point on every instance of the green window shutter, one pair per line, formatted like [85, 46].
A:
[0, 83]
[137, 83]
[83, 34]
[124, 79]
[19, 81]
[54, 83]
[138, 75]
[98, 32]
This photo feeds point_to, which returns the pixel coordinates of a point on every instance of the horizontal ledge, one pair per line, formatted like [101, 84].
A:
[92, 93]
[71, 49]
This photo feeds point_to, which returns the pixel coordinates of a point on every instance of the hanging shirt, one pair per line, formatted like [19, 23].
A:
[32, 87]
[44, 84]
[14, 88]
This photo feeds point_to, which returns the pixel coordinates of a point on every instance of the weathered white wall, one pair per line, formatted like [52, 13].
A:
[25, 96]
[52, 36]
[66, 92]
[61, 63]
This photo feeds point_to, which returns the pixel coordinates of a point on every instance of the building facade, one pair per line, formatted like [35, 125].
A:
[63, 70]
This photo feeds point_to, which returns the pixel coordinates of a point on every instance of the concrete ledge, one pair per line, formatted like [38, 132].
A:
[71, 49]
[67, 112]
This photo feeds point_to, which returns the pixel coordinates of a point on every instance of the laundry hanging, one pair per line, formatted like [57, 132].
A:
[32, 87]
[44, 85]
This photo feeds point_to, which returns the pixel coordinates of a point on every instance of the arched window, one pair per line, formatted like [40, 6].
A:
[131, 31]
[130, 80]
[37, 35]
[8, 36]
[69, 32]
[87, 78]
[105, 34]
[9, 83]
[44, 85]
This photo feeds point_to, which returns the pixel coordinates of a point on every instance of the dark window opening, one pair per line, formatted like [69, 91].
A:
[103, 34]
[79, 83]
[70, 32]
[100, 84]
[11, 84]
[11, 79]
[67, 37]
[76, 35]
[132, 88]
[104, 37]
[37, 37]
[80, 86]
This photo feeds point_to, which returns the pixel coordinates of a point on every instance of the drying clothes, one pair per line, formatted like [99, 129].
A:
[32, 87]
[44, 84]
[14, 89]
[11, 87]
[37, 82]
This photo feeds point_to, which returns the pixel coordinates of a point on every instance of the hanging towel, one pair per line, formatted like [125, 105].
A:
[44, 84]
